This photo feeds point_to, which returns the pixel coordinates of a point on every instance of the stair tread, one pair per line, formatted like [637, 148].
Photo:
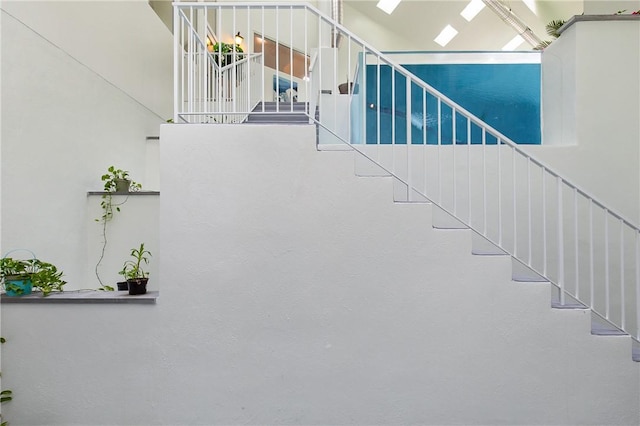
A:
[601, 327]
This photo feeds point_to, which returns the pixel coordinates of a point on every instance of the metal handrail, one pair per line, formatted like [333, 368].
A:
[503, 143]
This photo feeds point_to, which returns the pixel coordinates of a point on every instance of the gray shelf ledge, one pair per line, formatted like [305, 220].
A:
[126, 194]
[85, 296]
[588, 18]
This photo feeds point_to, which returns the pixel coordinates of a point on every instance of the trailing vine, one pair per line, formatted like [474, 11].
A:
[115, 181]
[6, 395]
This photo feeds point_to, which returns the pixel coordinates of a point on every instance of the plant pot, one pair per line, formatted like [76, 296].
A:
[344, 88]
[16, 286]
[122, 186]
[137, 286]
[123, 286]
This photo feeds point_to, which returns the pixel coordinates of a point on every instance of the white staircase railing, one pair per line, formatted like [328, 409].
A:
[436, 150]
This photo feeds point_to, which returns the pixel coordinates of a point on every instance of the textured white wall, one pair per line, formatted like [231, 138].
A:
[123, 41]
[591, 98]
[292, 292]
[63, 124]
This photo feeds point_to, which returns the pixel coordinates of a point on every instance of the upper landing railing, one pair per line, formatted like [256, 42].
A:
[435, 149]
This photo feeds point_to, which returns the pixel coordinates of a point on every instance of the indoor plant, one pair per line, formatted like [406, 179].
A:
[16, 276]
[116, 181]
[46, 277]
[133, 270]
[223, 53]
[20, 276]
[552, 28]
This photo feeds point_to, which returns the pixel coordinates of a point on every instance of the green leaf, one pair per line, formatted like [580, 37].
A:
[542, 45]
[553, 27]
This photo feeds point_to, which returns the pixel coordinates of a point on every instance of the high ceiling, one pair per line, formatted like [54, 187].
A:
[418, 22]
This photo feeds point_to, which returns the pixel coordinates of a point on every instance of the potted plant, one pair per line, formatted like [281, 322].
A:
[224, 53]
[137, 278]
[552, 29]
[16, 276]
[46, 277]
[116, 181]
[19, 277]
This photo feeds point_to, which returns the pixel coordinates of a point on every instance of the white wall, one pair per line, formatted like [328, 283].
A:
[591, 98]
[125, 42]
[380, 36]
[294, 293]
[77, 97]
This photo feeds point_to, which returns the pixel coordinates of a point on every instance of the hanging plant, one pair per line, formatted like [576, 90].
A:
[116, 181]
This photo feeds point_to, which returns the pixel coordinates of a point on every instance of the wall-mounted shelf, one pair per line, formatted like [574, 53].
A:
[131, 194]
[85, 296]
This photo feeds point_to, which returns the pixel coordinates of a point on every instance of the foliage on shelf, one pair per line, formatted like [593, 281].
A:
[43, 275]
[224, 52]
[552, 29]
[116, 181]
[554, 26]
[133, 269]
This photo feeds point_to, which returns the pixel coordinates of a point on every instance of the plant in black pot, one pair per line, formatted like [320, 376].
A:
[133, 270]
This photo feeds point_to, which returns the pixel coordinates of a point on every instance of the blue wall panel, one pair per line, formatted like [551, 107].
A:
[506, 96]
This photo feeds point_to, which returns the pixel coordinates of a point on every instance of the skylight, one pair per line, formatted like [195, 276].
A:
[388, 5]
[446, 35]
[514, 43]
[473, 8]
[531, 4]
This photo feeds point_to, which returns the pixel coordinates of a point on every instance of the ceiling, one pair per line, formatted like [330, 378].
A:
[418, 22]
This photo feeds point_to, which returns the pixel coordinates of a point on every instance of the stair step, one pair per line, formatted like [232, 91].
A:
[278, 117]
[402, 194]
[443, 220]
[569, 301]
[522, 273]
[281, 107]
[602, 327]
[482, 247]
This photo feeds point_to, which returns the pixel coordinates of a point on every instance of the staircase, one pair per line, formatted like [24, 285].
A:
[478, 178]
[278, 113]
[360, 307]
